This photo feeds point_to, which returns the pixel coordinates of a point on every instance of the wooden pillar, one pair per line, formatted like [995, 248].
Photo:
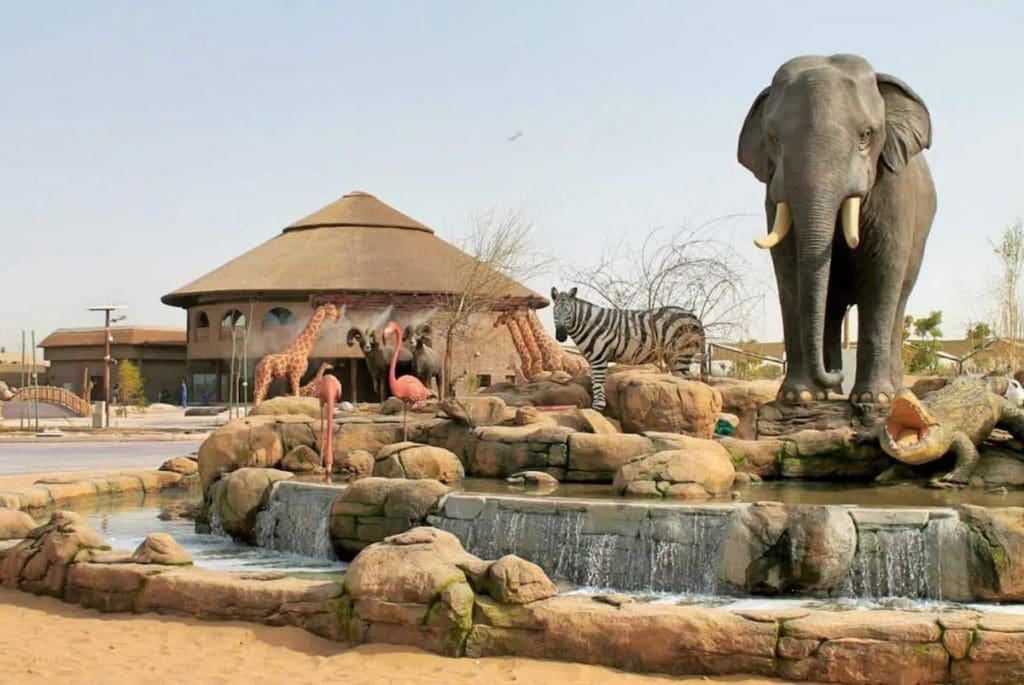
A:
[353, 378]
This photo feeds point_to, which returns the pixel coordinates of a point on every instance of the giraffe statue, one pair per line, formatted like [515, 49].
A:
[328, 391]
[313, 387]
[555, 358]
[531, 363]
[294, 359]
[536, 354]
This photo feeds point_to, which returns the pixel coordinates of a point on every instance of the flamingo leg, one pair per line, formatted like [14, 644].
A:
[328, 457]
[405, 426]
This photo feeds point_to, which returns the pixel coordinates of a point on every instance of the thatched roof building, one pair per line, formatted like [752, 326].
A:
[358, 252]
[357, 247]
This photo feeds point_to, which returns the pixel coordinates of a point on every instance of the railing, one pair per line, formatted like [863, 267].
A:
[54, 395]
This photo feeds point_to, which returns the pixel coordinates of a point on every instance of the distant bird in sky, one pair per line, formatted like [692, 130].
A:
[515, 136]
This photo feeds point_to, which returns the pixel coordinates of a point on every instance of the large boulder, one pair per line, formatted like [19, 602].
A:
[300, 459]
[40, 562]
[744, 399]
[161, 548]
[513, 580]
[645, 401]
[183, 465]
[240, 496]
[371, 509]
[416, 462]
[995, 563]
[774, 548]
[248, 442]
[697, 470]
[288, 404]
[550, 392]
[367, 436]
[15, 524]
[355, 465]
[474, 411]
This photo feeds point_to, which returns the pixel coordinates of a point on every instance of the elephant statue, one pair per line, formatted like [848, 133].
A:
[838, 147]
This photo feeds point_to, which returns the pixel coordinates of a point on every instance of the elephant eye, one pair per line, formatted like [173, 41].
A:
[865, 137]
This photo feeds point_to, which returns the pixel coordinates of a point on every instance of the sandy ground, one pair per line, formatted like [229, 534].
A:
[44, 640]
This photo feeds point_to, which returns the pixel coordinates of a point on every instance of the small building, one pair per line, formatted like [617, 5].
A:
[14, 372]
[75, 356]
[375, 263]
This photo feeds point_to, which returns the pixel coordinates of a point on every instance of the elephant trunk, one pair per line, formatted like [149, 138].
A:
[815, 219]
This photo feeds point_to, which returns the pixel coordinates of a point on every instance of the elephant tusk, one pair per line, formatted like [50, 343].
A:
[851, 221]
[779, 230]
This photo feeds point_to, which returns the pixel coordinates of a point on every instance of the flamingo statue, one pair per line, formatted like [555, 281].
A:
[328, 391]
[409, 389]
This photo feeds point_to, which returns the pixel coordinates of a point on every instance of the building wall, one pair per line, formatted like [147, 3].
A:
[162, 367]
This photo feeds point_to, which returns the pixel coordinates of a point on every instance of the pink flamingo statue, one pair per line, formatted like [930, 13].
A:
[409, 389]
[328, 391]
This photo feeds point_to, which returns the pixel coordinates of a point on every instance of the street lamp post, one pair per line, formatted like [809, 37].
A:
[106, 309]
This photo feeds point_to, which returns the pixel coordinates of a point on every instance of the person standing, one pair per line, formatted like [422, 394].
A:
[184, 394]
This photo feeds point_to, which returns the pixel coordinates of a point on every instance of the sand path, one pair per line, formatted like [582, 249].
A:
[44, 640]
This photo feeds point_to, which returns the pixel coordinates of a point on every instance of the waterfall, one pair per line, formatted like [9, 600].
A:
[297, 518]
[676, 553]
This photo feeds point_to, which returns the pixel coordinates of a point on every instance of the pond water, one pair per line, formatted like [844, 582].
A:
[125, 522]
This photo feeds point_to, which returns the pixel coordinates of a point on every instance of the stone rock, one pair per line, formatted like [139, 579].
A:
[40, 562]
[644, 401]
[300, 459]
[371, 509]
[922, 385]
[700, 469]
[179, 510]
[182, 465]
[595, 422]
[759, 457]
[774, 548]
[370, 437]
[995, 561]
[744, 399]
[603, 455]
[527, 415]
[414, 588]
[474, 411]
[15, 524]
[249, 442]
[288, 404]
[392, 406]
[547, 393]
[417, 462]
[240, 496]
[161, 548]
[538, 479]
[513, 580]
[1000, 467]
[355, 465]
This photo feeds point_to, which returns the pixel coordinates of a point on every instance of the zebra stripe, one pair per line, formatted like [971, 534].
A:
[667, 335]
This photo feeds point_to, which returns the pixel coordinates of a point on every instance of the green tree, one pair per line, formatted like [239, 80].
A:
[133, 386]
[925, 354]
[979, 334]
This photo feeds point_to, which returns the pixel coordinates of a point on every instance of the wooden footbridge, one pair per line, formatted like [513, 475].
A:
[49, 394]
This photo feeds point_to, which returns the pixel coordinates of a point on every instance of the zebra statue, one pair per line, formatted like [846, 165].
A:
[668, 335]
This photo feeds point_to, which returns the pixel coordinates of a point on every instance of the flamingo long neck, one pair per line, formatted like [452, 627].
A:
[394, 357]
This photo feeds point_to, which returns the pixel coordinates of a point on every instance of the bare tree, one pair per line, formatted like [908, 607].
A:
[684, 267]
[1009, 320]
[497, 250]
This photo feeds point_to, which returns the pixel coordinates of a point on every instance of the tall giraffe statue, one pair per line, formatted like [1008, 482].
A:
[313, 387]
[555, 358]
[531, 362]
[293, 361]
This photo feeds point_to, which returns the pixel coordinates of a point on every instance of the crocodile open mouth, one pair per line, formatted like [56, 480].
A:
[907, 425]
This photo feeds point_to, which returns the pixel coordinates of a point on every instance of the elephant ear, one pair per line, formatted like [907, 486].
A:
[908, 125]
[751, 152]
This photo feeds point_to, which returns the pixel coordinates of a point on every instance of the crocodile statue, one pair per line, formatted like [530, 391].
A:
[955, 418]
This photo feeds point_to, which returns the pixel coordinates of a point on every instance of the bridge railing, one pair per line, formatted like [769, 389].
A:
[54, 395]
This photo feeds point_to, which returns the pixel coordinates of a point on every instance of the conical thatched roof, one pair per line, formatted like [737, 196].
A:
[357, 244]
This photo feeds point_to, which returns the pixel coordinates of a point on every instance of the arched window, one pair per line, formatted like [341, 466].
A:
[231, 319]
[202, 327]
[278, 316]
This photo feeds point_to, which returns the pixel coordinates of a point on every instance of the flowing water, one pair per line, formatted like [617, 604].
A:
[296, 520]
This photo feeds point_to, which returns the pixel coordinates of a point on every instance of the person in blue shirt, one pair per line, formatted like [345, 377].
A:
[184, 394]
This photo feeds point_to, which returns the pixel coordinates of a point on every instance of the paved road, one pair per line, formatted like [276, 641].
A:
[39, 457]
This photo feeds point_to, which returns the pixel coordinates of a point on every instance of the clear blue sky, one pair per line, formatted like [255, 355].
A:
[145, 143]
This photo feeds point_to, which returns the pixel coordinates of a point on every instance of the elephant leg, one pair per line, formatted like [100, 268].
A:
[876, 319]
[835, 310]
[796, 386]
[896, 348]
